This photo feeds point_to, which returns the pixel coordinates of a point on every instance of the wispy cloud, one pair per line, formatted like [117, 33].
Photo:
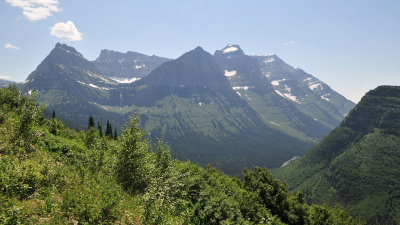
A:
[5, 77]
[8, 45]
[66, 30]
[36, 9]
[289, 43]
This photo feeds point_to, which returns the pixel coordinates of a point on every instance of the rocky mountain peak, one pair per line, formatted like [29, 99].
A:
[63, 48]
[231, 50]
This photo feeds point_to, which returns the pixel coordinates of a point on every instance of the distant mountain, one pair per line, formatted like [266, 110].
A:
[5, 83]
[127, 67]
[310, 95]
[255, 81]
[188, 102]
[194, 102]
[357, 164]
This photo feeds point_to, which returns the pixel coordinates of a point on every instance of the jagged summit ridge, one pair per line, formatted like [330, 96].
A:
[127, 66]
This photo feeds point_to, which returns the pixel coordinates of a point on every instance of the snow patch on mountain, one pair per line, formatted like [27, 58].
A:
[102, 106]
[277, 82]
[324, 97]
[140, 67]
[230, 73]
[27, 81]
[288, 96]
[94, 86]
[276, 124]
[242, 87]
[125, 80]
[314, 86]
[230, 49]
[98, 76]
[269, 60]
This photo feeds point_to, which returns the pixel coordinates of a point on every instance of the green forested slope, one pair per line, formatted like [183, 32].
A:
[50, 174]
[358, 164]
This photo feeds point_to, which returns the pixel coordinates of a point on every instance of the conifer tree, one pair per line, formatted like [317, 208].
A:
[115, 133]
[54, 115]
[100, 128]
[91, 122]
[109, 130]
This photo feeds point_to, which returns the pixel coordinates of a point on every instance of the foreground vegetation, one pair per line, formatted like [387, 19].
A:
[50, 174]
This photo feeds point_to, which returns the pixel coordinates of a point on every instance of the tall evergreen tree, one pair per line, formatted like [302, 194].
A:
[115, 133]
[109, 129]
[91, 122]
[100, 128]
[110, 132]
[54, 115]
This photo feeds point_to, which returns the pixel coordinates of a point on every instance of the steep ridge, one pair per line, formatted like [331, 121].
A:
[127, 67]
[357, 164]
[245, 76]
[310, 95]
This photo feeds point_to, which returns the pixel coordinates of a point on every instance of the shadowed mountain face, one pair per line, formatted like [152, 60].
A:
[207, 114]
[357, 164]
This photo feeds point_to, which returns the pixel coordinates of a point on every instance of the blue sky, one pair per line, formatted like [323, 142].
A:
[352, 45]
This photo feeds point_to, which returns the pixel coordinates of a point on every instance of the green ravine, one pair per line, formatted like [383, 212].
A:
[50, 174]
[357, 165]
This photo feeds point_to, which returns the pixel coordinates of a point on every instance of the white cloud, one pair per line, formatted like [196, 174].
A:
[8, 45]
[36, 9]
[66, 30]
[289, 43]
[5, 77]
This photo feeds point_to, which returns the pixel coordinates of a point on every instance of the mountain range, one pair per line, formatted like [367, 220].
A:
[228, 109]
[357, 165]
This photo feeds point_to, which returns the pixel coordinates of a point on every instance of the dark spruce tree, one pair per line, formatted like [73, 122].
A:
[90, 122]
[100, 128]
[109, 129]
[115, 133]
[53, 115]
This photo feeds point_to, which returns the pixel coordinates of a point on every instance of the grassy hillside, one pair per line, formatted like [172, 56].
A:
[357, 164]
[50, 174]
